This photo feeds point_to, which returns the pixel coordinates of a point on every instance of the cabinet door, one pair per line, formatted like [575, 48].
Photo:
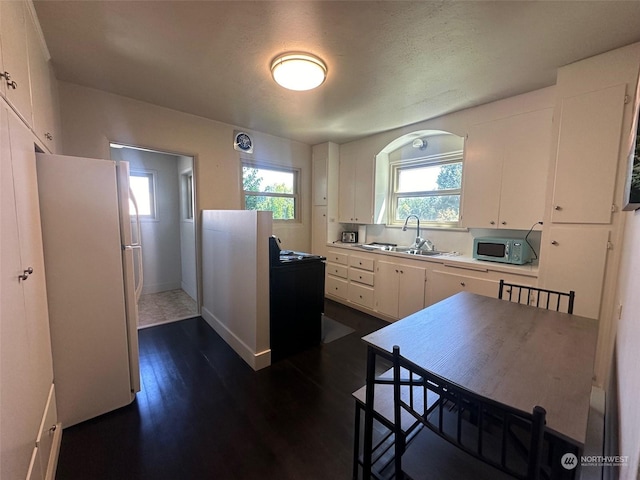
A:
[347, 192]
[447, 283]
[319, 230]
[410, 290]
[355, 203]
[43, 89]
[16, 440]
[587, 157]
[386, 288]
[482, 175]
[27, 372]
[319, 175]
[15, 57]
[363, 200]
[585, 249]
[525, 169]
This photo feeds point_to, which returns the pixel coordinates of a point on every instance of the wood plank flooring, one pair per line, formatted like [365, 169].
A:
[204, 414]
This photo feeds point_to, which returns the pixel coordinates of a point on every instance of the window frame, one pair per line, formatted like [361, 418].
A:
[152, 175]
[276, 168]
[395, 167]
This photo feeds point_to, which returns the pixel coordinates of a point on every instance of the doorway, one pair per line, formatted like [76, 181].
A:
[163, 184]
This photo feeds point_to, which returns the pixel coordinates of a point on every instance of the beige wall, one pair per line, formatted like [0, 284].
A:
[628, 342]
[93, 118]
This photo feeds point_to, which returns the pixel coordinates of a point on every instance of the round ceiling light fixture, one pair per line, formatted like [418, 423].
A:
[298, 71]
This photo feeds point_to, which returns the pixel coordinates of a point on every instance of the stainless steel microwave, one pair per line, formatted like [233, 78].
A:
[505, 250]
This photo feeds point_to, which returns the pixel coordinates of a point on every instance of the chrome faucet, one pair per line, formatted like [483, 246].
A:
[419, 242]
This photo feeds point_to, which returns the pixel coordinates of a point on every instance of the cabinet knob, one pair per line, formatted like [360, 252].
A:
[553, 242]
[503, 223]
[557, 207]
[401, 271]
[492, 222]
[48, 136]
[396, 270]
[462, 284]
[12, 84]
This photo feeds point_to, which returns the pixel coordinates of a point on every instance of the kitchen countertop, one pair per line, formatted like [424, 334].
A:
[451, 259]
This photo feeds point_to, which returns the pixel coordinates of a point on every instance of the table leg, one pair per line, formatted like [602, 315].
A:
[368, 414]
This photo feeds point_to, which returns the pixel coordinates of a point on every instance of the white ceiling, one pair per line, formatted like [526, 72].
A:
[391, 63]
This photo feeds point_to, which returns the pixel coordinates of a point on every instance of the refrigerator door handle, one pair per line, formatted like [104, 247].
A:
[138, 239]
[140, 279]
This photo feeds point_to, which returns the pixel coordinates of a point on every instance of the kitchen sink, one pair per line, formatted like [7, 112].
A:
[411, 251]
[397, 249]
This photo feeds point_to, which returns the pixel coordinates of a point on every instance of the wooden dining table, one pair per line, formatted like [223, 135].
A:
[518, 355]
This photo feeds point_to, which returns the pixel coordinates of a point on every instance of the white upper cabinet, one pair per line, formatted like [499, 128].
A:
[356, 190]
[44, 94]
[15, 65]
[319, 165]
[587, 156]
[505, 171]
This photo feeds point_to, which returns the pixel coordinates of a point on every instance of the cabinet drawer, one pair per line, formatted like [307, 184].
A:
[361, 276]
[336, 286]
[338, 257]
[361, 294]
[337, 270]
[361, 262]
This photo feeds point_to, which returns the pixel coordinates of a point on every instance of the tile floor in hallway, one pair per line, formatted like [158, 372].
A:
[164, 307]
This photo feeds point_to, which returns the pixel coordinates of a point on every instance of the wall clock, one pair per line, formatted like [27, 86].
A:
[242, 142]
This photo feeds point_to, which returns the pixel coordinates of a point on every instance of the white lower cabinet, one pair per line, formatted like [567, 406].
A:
[25, 343]
[399, 289]
[449, 280]
[337, 274]
[585, 249]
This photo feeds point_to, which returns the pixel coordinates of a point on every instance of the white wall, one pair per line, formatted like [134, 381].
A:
[187, 234]
[628, 343]
[457, 123]
[161, 253]
[235, 280]
[93, 118]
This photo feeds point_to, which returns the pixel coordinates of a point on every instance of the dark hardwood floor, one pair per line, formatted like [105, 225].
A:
[204, 414]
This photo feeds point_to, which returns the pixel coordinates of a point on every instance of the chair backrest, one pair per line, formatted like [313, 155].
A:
[549, 299]
[501, 436]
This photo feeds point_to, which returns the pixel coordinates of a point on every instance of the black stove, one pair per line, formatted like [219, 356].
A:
[278, 257]
[296, 300]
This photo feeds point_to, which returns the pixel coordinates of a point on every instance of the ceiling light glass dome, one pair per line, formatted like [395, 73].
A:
[298, 71]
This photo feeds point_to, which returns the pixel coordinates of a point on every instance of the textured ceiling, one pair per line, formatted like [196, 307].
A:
[391, 63]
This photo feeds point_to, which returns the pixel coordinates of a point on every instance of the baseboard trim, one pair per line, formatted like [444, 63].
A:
[256, 360]
[160, 287]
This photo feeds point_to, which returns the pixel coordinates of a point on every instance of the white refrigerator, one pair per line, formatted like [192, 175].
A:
[93, 268]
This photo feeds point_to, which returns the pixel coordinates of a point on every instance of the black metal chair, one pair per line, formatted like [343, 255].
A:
[383, 414]
[549, 299]
[464, 435]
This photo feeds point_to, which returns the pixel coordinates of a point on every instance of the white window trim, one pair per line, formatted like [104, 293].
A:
[438, 159]
[280, 168]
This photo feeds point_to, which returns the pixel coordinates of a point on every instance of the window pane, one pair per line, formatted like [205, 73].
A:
[283, 208]
[430, 178]
[142, 190]
[439, 208]
[265, 180]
